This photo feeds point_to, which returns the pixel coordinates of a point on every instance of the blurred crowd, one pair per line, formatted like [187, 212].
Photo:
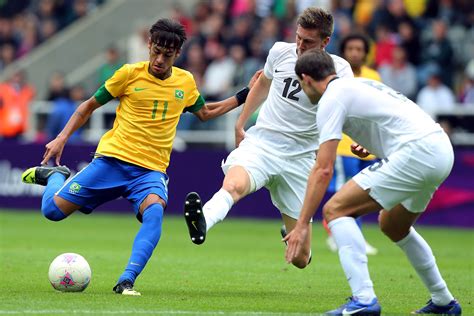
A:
[422, 48]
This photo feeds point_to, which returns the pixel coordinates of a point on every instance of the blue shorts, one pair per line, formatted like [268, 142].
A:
[106, 179]
[344, 169]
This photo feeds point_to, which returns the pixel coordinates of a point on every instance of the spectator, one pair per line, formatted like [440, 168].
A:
[437, 52]
[218, 75]
[15, 98]
[195, 62]
[57, 88]
[62, 110]
[79, 10]
[354, 48]
[112, 64]
[28, 35]
[400, 74]
[237, 53]
[7, 36]
[410, 41]
[7, 55]
[241, 33]
[390, 15]
[47, 29]
[269, 32]
[467, 90]
[138, 45]
[384, 45]
[435, 96]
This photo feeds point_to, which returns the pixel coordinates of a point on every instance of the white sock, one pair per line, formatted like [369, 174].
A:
[351, 245]
[421, 258]
[216, 209]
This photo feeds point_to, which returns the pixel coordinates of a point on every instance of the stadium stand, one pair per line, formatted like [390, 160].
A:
[412, 38]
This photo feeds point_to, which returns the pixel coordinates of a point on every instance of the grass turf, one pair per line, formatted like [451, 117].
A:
[239, 270]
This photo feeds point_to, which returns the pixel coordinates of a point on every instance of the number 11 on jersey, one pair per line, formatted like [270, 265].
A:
[155, 109]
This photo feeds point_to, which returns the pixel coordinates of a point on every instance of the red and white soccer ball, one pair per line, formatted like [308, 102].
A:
[69, 272]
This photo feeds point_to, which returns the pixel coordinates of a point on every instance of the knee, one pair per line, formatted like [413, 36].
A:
[235, 187]
[149, 201]
[330, 211]
[53, 213]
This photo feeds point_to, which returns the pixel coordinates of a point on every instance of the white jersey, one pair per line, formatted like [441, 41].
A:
[372, 114]
[286, 124]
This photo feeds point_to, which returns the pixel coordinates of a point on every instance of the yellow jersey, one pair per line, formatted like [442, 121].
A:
[148, 113]
[344, 147]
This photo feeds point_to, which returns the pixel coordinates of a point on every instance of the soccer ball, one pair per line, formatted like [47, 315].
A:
[69, 272]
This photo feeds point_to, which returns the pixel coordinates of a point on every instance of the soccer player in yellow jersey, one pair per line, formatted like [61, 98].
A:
[131, 158]
[354, 48]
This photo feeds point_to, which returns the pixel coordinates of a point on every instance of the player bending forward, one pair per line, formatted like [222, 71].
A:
[278, 152]
[416, 158]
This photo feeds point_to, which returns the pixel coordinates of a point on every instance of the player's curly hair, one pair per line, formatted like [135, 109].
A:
[168, 33]
[317, 18]
[354, 36]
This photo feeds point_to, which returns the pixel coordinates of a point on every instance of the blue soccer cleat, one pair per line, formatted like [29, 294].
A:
[453, 308]
[354, 307]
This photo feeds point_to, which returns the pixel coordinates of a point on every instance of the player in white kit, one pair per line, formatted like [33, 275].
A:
[416, 158]
[279, 151]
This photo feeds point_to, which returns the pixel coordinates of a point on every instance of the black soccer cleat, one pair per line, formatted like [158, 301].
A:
[195, 218]
[125, 288]
[39, 175]
[283, 232]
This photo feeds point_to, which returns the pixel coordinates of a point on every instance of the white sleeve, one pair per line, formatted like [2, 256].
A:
[343, 69]
[330, 119]
[269, 64]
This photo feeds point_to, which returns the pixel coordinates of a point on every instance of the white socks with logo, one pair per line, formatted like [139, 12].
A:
[216, 209]
[421, 258]
[351, 245]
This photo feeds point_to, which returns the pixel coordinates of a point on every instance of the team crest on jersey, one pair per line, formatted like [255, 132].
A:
[179, 94]
[74, 188]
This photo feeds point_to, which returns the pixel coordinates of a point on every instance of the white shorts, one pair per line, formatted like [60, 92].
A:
[285, 178]
[410, 175]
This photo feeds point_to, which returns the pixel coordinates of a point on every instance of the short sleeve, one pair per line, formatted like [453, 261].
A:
[194, 101]
[269, 64]
[330, 119]
[102, 95]
[117, 84]
[343, 69]
[196, 106]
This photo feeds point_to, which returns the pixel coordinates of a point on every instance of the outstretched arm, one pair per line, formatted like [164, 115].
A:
[257, 95]
[318, 183]
[215, 109]
[55, 147]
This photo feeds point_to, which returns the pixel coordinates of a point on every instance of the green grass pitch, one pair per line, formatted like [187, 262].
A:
[240, 270]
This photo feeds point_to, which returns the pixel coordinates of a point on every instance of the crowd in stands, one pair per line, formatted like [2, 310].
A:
[24, 25]
[423, 48]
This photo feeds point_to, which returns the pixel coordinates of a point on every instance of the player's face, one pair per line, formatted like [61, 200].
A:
[161, 60]
[307, 39]
[354, 52]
